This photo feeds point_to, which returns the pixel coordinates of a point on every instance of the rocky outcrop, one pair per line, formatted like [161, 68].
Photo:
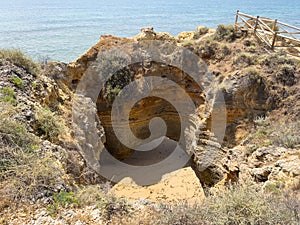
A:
[184, 105]
[169, 101]
[242, 95]
[245, 94]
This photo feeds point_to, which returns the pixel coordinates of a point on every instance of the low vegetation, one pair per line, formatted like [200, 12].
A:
[7, 94]
[245, 59]
[286, 74]
[25, 172]
[49, 125]
[225, 32]
[238, 204]
[18, 82]
[280, 133]
[60, 200]
[116, 83]
[18, 58]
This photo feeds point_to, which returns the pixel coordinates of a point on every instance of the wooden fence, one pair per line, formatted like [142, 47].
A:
[273, 33]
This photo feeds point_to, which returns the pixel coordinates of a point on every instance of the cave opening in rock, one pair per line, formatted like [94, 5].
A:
[149, 107]
[139, 120]
[142, 114]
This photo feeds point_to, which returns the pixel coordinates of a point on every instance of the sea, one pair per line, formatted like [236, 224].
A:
[61, 30]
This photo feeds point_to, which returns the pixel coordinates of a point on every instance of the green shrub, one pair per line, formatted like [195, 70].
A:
[18, 82]
[91, 195]
[209, 50]
[113, 64]
[116, 83]
[62, 199]
[182, 213]
[49, 124]
[200, 31]
[247, 204]
[8, 95]
[253, 74]
[252, 49]
[275, 186]
[286, 75]
[224, 32]
[25, 176]
[18, 58]
[271, 25]
[249, 42]
[225, 50]
[14, 133]
[34, 85]
[245, 59]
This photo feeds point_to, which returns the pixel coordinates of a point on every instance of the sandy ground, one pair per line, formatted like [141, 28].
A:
[162, 174]
[181, 185]
[146, 167]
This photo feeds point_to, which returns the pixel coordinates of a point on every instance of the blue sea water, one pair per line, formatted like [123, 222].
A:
[64, 29]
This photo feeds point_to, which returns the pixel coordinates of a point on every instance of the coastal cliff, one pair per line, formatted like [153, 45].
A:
[245, 120]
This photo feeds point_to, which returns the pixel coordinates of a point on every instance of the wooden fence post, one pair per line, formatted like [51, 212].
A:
[274, 40]
[274, 25]
[236, 17]
[256, 23]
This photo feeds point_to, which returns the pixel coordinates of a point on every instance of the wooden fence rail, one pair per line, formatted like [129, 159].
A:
[273, 33]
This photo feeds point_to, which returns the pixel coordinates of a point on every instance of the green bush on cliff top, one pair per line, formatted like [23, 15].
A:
[18, 58]
[225, 32]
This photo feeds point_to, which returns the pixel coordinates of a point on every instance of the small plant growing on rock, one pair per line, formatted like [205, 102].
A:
[8, 95]
[62, 199]
[208, 50]
[34, 85]
[14, 133]
[282, 133]
[49, 124]
[118, 79]
[18, 82]
[200, 31]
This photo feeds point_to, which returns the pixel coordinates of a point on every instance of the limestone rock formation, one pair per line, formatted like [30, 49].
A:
[183, 122]
[246, 94]
[242, 95]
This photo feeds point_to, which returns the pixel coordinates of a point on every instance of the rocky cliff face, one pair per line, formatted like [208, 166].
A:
[245, 93]
[229, 94]
[231, 106]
